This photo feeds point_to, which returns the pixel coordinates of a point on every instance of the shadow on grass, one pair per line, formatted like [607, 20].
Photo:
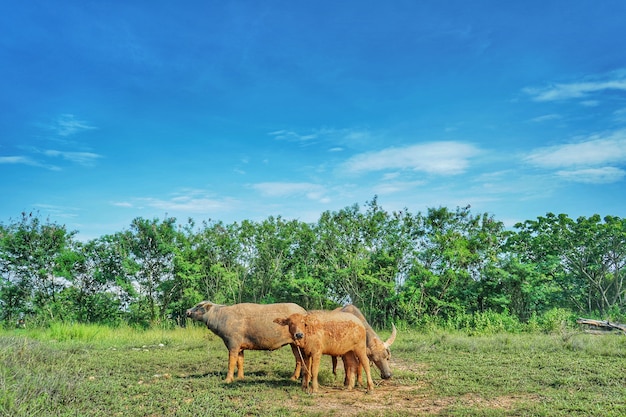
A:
[277, 380]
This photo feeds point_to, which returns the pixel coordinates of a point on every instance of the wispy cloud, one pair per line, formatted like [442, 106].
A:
[545, 118]
[392, 187]
[291, 136]
[188, 204]
[58, 211]
[25, 160]
[282, 189]
[565, 91]
[68, 124]
[595, 160]
[595, 151]
[16, 160]
[190, 201]
[81, 158]
[185, 204]
[620, 115]
[604, 175]
[441, 158]
[325, 135]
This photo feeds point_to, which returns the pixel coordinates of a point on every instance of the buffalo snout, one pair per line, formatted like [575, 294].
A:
[189, 313]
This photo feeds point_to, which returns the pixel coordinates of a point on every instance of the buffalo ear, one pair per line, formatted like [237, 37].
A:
[282, 322]
[207, 305]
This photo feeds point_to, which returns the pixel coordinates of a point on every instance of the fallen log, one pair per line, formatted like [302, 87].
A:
[604, 325]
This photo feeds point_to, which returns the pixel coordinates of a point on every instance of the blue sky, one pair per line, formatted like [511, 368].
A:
[233, 110]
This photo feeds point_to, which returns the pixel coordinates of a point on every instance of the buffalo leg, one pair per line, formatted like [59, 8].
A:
[315, 368]
[240, 365]
[350, 367]
[233, 355]
[297, 355]
[361, 355]
[306, 378]
[359, 371]
[334, 360]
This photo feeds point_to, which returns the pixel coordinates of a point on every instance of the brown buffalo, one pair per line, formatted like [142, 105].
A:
[333, 333]
[247, 327]
[377, 350]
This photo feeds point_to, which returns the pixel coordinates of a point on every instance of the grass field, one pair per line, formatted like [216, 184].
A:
[74, 370]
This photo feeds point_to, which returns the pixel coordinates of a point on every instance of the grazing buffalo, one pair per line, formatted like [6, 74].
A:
[377, 350]
[334, 333]
[248, 327]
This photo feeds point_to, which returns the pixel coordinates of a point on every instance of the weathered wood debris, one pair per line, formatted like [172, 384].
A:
[600, 326]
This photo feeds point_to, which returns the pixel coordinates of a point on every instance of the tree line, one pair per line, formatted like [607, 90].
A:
[395, 266]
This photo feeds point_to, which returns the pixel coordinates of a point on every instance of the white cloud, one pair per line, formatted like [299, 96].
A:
[82, 158]
[597, 150]
[604, 175]
[183, 202]
[25, 160]
[186, 204]
[442, 158]
[68, 124]
[546, 118]
[58, 211]
[396, 187]
[337, 137]
[283, 189]
[16, 160]
[577, 89]
[292, 136]
[590, 103]
[620, 115]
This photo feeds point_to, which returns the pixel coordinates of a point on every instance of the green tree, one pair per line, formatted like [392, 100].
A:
[31, 252]
[585, 258]
[221, 253]
[360, 256]
[300, 283]
[95, 270]
[151, 246]
[455, 257]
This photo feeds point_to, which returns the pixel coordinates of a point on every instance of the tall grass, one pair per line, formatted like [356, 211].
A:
[111, 336]
[89, 370]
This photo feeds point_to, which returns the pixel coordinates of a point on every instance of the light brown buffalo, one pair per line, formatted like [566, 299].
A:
[248, 326]
[332, 333]
[377, 350]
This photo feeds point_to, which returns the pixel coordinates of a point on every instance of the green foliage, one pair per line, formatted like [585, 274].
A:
[31, 253]
[585, 259]
[452, 268]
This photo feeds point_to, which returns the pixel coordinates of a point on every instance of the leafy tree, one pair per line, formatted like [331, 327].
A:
[360, 256]
[151, 248]
[95, 270]
[218, 255]
[456, 253]
[585, 258]
[31, 252]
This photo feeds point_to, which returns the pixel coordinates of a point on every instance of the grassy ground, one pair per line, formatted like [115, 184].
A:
[96, 371]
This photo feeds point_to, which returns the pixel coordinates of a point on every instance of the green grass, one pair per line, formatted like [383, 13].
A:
[78, 370]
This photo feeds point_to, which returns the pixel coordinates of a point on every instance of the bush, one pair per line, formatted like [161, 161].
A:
[556, 319]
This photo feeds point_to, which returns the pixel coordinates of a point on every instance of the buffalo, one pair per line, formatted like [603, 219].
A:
[377, 350]
[334, 333]
[248, 326]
